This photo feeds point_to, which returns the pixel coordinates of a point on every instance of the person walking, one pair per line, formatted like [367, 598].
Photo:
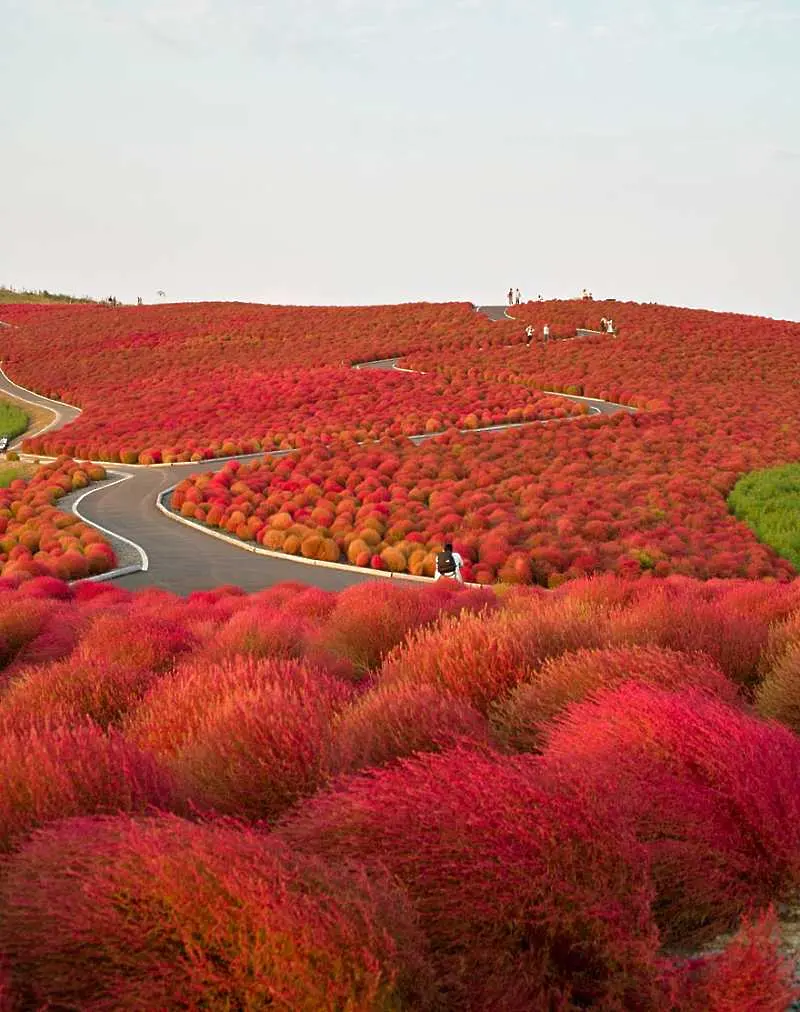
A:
[511, 296]
[546, 333]
[529, 333]
[604, 324]
[518, 297]
[449, 564]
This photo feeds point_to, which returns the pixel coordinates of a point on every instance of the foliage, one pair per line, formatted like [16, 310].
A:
[37, 539]
[710, 790]
[13, 421]
[661, 812]
[519, 720]
[769, 501]
[103, 914]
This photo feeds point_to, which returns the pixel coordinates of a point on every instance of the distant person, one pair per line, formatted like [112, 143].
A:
[541, 297]
[529, 333]
[609, 326]
[139, 300]
[511, 296]
[518, 297]
[449, 564]
[604, 324]
[546, 333]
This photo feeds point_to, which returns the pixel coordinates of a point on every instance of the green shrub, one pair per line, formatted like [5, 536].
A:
[769, 502]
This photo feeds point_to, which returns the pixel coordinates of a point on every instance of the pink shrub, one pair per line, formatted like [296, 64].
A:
[750, 975]
[778, 695]
[390, 722]
[64, 772]
[517, 721]
[108, 914]
[176, 709]
[530, 900]
[480, 657]
[711, 791]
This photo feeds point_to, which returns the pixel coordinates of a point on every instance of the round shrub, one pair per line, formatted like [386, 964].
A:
[55, 774]
[528, 898]
[710, 790]
[259, 750]
[68, 692]
[480, 657]
[517, 721]
[103, 914]
[175, 710]
[391, 722]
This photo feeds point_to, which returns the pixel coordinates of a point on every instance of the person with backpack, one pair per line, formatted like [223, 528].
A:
[449, 563]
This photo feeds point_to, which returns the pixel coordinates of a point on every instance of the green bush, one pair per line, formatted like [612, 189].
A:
[769, 502]
[13, 420]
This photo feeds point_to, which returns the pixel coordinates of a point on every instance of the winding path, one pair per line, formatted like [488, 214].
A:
[182, 557]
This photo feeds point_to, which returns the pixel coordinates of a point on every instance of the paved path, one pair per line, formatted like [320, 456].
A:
[181, 559]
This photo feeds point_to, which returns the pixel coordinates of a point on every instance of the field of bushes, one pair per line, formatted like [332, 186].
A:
[638, 495]
[36, 538]
[400, 798]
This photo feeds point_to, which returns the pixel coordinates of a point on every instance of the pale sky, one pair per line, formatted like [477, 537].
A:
[369, 151]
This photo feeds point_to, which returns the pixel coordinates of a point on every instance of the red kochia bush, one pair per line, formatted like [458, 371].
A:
[55, 774]
[518, 720]
[530, 900]
[69, 691]
[109, 914]
[480, 657]
[751, 975]
[712, 791]
[259, 750]
[135, 639]
[397, 720]
[260, 632]
[371, 618]
[176, 709]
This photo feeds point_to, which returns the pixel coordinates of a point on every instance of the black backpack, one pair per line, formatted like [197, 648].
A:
[446, 563]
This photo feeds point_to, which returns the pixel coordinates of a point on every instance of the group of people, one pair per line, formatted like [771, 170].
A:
[586, 295]
[607, 326]
[530, 333]
[515, 298]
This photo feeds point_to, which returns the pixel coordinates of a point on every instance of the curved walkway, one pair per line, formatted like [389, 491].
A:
[182, 557]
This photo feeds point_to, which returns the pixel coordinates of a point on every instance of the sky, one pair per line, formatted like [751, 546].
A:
[374, 151]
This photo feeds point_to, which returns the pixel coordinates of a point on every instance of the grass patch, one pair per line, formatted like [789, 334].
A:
[769, 502]
[13, 420]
